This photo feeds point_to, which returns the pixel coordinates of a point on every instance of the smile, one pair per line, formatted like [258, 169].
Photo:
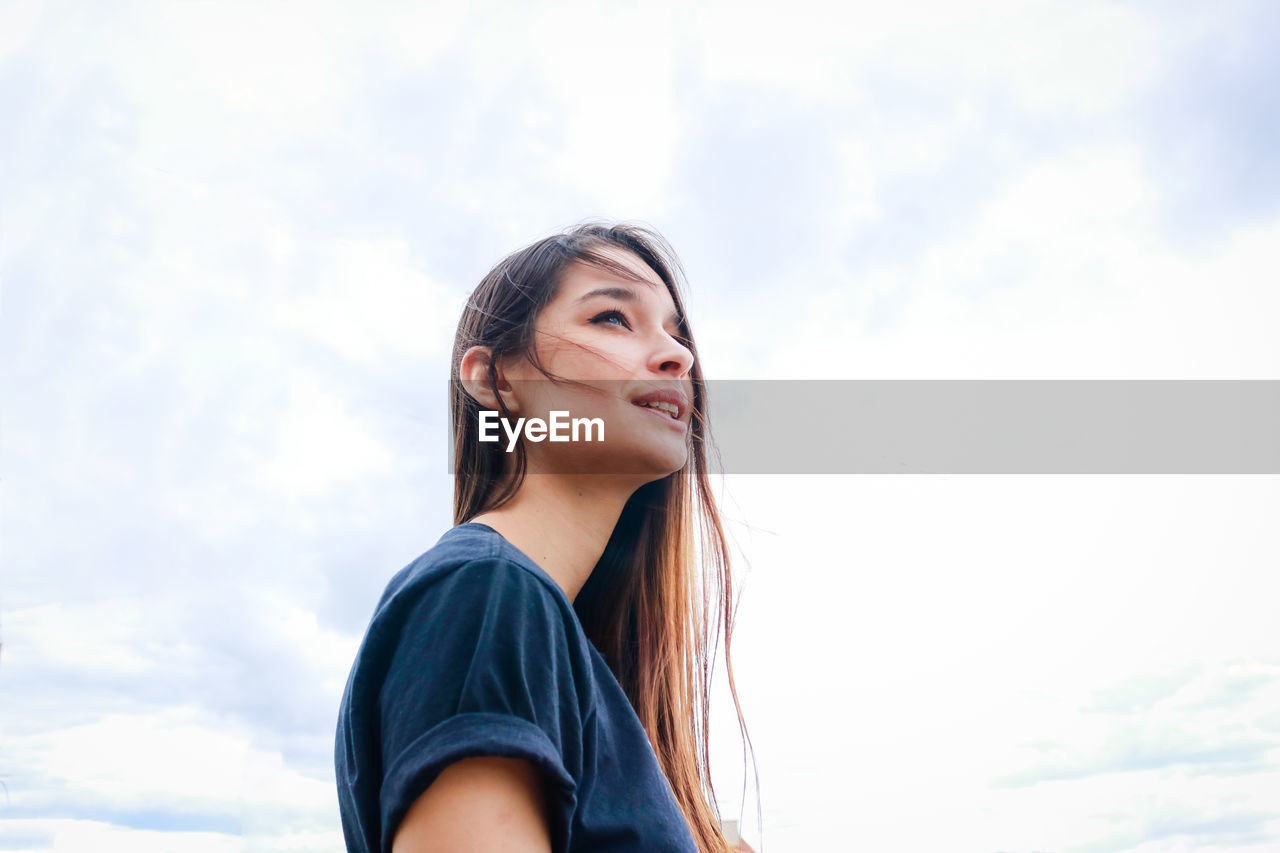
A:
[669, 403]
[662, 406]
[665, 415]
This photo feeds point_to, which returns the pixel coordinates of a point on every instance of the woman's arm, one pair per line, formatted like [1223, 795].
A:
[479, 805]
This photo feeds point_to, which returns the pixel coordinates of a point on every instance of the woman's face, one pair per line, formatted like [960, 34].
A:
[622, 339]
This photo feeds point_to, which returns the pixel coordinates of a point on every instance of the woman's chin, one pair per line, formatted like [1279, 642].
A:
[661, 462]
[647, 461]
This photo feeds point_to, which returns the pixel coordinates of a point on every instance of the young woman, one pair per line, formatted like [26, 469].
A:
[539, 680]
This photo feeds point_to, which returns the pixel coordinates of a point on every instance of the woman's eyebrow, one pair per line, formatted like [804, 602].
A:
[624, 294]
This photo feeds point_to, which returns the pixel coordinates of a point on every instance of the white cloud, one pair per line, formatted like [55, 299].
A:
[75, 836]
[964, 629]
[1079, 58]
[1061, 276]
[370, 302]
[318, 447]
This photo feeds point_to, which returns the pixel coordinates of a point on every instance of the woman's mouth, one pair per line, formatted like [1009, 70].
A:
[665, 410]
[665, 415]
[662, 406]
[670, 403]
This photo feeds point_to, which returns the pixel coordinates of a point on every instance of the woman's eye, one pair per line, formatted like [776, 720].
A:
[612, 318]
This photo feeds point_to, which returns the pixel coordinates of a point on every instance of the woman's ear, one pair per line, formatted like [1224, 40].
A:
[474, 373]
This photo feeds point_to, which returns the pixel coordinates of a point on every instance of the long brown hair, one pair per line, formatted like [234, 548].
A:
[647, 608]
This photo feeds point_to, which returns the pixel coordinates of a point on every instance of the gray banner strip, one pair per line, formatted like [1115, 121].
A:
[982, 426]
[996, 426]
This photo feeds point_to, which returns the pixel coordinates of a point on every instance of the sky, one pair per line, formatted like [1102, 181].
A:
[235, 240]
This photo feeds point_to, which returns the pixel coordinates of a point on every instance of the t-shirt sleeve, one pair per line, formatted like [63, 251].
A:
[483, 666]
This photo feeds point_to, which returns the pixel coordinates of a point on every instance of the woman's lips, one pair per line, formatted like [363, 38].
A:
[665, 398]
[679, 426]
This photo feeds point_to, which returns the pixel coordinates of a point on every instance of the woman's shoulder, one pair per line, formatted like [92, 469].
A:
[471, 562]
[478, 552]
[472, 598]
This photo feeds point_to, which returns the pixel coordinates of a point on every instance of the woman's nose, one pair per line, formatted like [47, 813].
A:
[671, 357]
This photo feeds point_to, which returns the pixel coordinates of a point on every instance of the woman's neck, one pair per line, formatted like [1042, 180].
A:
[561, 523]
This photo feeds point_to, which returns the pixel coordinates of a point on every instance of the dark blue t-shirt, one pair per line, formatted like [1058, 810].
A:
[474, 650]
